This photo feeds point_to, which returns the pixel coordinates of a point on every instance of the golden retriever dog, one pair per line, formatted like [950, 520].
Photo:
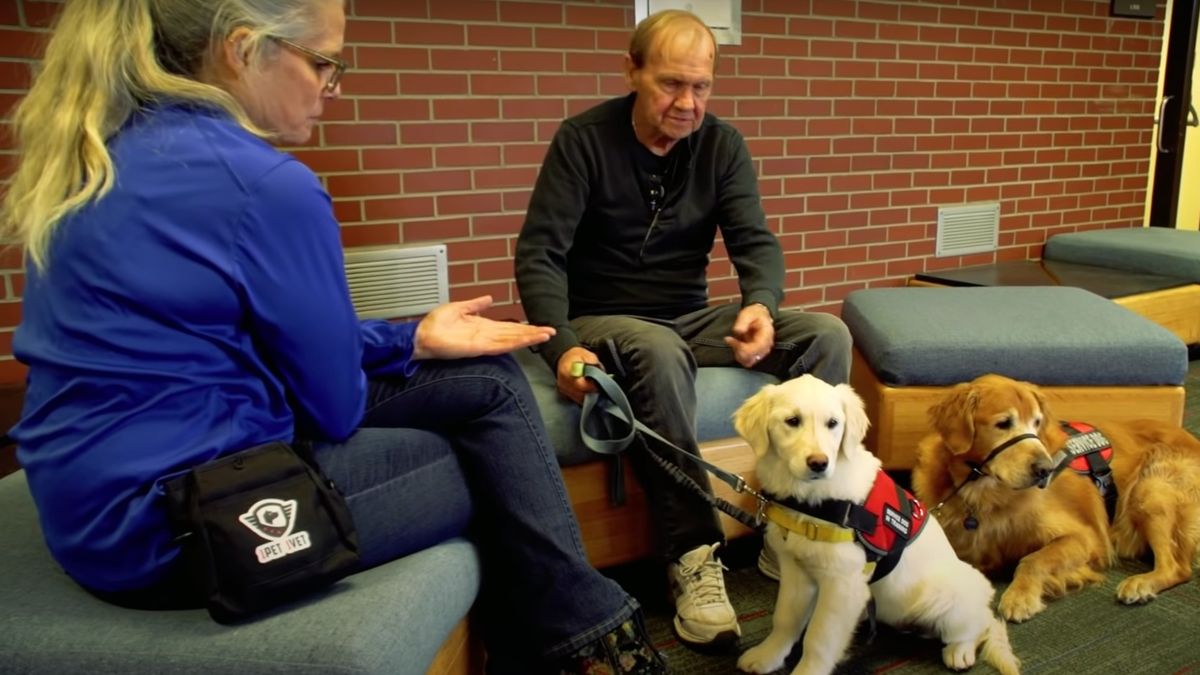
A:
[807, 436]
[996, 441]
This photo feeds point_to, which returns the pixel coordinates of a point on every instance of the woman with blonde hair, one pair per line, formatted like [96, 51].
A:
[186, 299]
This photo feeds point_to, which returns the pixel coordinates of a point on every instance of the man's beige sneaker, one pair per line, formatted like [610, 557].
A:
[703, 615]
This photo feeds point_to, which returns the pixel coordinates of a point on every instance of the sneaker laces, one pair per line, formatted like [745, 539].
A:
[705, 581]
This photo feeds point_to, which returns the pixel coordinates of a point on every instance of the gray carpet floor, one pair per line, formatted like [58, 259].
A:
[1083, 633]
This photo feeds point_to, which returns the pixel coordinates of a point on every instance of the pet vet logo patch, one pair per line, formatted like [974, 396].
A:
[273, 520]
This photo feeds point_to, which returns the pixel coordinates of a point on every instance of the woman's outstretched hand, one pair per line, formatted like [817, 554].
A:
[455, 330]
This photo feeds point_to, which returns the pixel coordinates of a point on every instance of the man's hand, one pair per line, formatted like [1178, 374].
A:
[575, 387]
[455, 330]
[753, 335]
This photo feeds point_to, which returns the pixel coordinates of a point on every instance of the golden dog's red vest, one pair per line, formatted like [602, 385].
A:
[1089, 452]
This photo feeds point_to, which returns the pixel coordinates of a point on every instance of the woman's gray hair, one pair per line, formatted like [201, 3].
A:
[186, 31]
[104, 61]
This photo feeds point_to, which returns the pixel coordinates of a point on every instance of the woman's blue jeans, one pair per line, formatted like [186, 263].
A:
[458, 448]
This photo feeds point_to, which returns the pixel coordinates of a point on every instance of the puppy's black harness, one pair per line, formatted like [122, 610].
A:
[884, 525]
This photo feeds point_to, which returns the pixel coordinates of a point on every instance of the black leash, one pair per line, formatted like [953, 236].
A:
[607, 426]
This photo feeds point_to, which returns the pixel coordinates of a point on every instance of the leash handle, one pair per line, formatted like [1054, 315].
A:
[611, 432]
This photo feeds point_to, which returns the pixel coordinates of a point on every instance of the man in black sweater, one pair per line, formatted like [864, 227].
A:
[614, 253]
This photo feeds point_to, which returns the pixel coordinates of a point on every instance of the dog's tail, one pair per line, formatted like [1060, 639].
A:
[997, 650]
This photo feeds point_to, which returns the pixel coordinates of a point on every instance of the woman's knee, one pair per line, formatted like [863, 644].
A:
[405, 489]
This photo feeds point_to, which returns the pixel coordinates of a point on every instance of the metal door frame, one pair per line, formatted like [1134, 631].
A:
[1175, 112]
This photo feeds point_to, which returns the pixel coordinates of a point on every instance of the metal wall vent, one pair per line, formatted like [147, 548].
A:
[972, 228]
[398, 282]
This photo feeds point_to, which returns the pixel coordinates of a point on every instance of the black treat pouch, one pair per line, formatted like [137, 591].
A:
[261, 527]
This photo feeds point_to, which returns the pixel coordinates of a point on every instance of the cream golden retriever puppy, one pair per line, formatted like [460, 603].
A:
[807, 436]
[994, 443]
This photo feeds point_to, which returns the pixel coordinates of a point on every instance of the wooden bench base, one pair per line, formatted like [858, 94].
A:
[1176, 309]
[619, 534]
[461, 653]
[899, 415]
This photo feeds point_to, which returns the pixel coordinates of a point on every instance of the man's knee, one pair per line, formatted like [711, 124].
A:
[823, 343]
[833, 334]
[639, 344]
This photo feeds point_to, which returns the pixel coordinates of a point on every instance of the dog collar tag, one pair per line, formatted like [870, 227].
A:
[970, 523]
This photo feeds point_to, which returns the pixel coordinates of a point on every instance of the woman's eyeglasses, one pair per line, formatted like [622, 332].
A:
[338, 66]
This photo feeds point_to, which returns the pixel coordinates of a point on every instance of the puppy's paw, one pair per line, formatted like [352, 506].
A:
[1018, 606]
[959, 656]
[761, 659]
[1137, 589]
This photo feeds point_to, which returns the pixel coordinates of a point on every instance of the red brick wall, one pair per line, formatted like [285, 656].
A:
[863, 117]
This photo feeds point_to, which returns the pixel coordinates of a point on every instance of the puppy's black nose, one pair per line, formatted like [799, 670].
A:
[817, 464]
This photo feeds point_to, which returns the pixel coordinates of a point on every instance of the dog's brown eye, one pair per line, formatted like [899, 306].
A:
[1005, 423]
[793, 421]
[1037, 423]
[832, 424]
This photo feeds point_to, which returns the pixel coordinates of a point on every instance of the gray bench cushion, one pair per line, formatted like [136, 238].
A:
[390, 619]
[1155, 250]
[1049, 335]
[719, 391]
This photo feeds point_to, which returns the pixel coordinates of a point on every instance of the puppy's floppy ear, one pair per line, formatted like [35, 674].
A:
[954, 417]
[856, 418]
[750, 420]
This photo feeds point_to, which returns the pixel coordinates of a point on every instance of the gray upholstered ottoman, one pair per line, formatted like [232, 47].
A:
[387, 620]
[1148, 250]
[1093, 358]
[1153, 250]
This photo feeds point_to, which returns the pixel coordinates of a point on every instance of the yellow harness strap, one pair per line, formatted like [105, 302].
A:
[806, 526]
[812, 528]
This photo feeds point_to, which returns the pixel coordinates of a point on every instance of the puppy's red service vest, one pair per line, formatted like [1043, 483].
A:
[899, 516]
[887, 521]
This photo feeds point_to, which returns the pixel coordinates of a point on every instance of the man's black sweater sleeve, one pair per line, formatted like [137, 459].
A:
[753, 249]
[555, 210]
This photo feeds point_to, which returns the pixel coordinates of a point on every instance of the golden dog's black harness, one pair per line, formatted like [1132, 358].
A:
[1088, 452]
[977, 472]
[884, 525]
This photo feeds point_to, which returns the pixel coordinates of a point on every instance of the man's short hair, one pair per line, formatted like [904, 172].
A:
[654, 29]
